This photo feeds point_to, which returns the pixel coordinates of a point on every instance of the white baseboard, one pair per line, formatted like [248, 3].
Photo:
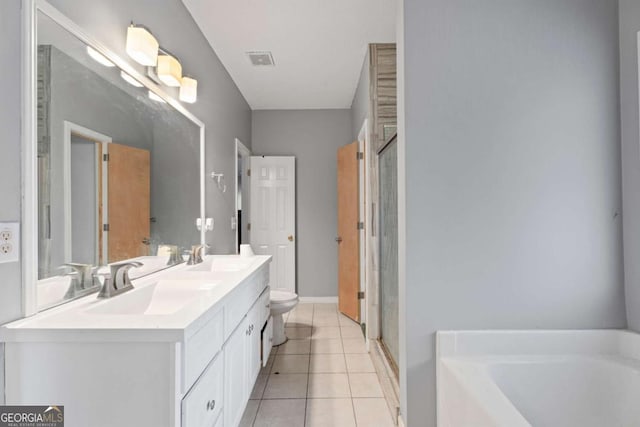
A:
[319, 300]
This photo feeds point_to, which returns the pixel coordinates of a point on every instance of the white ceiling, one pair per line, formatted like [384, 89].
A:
[318, 46]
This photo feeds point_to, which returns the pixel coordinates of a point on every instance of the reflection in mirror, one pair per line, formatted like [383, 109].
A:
[118, 170]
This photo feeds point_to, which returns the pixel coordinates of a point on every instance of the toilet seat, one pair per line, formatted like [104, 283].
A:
[282, 296]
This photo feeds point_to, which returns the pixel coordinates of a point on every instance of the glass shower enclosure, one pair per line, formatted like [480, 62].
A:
[388, 240]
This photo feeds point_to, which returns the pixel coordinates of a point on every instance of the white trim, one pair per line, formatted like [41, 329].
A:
[319, 300]
[29, 159]
[203, 230]
[70, 128]
[367, 315]
[240, 149]
[29, 134]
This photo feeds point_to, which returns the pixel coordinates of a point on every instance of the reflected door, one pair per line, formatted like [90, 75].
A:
[129, 190]
[388, 173]
[348, 234]
[273, 216]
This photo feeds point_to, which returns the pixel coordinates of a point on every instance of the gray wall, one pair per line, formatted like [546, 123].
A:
[512, 173]
[10, 190]
[629, 27]
[10, 289]
[361, 104]
[313, 137]
[220, 105]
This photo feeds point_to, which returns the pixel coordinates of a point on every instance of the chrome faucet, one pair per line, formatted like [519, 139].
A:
[174, 255]
[81, 279]
[117, 281]
[195, 256]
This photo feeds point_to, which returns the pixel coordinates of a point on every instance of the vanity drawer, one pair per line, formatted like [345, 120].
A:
[202, 406]
[201, 347]
[242, 299]
[265, 303]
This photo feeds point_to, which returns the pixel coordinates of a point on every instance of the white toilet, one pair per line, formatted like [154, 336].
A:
[282, 301]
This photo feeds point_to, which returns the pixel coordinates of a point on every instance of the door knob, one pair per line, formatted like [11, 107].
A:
[290, 238]
[338, 239]
[146, 241]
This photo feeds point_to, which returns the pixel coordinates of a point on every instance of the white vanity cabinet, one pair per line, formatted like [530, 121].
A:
[244, 358]
[149, 374]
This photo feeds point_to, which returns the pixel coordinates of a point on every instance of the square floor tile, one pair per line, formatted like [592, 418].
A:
[258, 388]
[267, 369]
[347, 321]
[326, 346]
[359, 363]
[328, 386]
[324, 332]
[298, 324]
[332, 308]
[291, 364]
[354, 345]
[299, 319]
[372, 413]
[295, 347]
[325, 319]
[330, 413]
[327, 363]
[249, 415]
[365, 385]
[281, 413]
[351, 332]
[297, 333]
[286, 386]
[303, 307]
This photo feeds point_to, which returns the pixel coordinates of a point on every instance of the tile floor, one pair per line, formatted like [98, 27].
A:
[322, 376]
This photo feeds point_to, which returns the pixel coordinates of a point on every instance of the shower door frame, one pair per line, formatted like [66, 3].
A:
[393, 363]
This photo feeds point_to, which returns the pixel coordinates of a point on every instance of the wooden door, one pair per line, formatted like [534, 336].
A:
[273, 216]
[348, 235]
[129, 190]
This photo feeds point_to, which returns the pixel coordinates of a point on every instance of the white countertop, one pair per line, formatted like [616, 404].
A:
[90, 319]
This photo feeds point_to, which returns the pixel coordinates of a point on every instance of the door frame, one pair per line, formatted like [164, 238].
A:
[69, 129]
[368, 313]
[241, 150]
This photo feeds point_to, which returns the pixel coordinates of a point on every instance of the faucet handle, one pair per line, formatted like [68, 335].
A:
[107, 289]
[120, 273]
[195, 257]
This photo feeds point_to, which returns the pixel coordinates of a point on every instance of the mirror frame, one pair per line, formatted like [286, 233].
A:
[29, 211]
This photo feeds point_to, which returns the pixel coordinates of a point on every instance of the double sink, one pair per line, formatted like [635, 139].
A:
[174, 290]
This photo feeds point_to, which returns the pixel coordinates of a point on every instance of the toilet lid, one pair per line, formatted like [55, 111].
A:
[282, 296]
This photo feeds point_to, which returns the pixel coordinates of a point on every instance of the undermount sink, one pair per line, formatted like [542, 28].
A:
[164, 297]
[224, 265]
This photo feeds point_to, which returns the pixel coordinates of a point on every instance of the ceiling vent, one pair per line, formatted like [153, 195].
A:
[259, 59]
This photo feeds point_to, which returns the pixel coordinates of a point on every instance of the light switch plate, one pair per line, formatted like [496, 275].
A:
[9, 242]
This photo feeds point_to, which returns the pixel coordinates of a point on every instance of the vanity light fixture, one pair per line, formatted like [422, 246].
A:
[127, 78]
[98, 57]
[142, 46]
[189, 90]
[169, 69]
[156, 98]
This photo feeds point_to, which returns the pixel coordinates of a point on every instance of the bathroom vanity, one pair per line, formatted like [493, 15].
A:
[184, 348]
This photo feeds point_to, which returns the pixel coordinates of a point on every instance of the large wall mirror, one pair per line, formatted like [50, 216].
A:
[118, 164]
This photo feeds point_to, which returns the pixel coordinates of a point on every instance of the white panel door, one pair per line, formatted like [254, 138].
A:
[273, 216]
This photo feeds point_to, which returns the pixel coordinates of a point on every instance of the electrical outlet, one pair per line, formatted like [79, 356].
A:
[9, 242]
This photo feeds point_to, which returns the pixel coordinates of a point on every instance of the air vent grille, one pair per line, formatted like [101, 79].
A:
[261, 59]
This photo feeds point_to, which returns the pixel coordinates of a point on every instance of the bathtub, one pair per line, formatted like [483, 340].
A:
[538, 378]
